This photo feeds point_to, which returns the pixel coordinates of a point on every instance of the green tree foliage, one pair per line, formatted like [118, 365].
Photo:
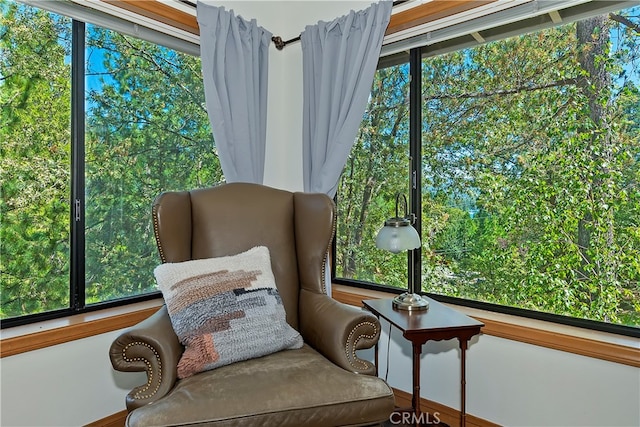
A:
[34, 160]
[530, 182]
[147, 131]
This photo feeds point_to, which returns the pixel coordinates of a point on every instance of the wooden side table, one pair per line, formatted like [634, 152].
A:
[437, 323]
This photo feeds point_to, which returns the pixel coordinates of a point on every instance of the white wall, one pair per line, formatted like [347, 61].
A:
[508, 382]
[515, 384]
[68, 384]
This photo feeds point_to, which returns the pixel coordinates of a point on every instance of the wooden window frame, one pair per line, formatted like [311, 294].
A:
[599, 345]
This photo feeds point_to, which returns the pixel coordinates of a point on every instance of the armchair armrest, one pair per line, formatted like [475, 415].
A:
[337, 330]
[151, 346]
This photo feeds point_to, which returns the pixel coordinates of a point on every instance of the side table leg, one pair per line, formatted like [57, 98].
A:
[463, 382]
[417, 351]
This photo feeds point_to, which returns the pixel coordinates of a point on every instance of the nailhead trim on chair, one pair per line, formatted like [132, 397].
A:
[327, 251]
[138, 394]
[353, 348]
[324, 266]
[156, 231]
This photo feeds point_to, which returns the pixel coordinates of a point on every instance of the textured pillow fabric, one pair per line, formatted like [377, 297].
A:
[225, 310]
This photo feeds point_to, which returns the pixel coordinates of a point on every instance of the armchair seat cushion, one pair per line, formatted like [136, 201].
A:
[288, 388]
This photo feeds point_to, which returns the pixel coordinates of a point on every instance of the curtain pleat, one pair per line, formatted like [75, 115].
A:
[339, 61]
[235, 61]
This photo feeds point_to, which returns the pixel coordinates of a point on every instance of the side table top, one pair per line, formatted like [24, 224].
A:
[438, 317]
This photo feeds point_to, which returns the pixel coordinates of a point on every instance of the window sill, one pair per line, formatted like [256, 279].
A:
[51, 332]
[599, 345]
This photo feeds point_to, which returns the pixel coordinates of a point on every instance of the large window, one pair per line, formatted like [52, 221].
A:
[529, 175]
[95, 124]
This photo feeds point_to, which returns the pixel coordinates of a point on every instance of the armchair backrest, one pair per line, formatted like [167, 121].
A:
[232, 218]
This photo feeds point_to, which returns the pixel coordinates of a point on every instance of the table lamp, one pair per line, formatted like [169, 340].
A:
[396, 236]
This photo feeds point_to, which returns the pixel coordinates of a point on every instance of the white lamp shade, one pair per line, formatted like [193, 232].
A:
[397, 239]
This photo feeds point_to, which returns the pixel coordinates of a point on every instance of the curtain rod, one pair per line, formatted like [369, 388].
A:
[280, 44]
[277, 40]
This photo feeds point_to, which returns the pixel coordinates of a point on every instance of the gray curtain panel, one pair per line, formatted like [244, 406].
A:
[235, 60]
[339, 61]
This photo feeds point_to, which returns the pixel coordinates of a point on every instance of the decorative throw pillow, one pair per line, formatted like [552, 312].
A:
[225, 310]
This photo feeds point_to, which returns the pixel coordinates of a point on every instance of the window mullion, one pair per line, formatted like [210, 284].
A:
[415, 154]
[77, 279]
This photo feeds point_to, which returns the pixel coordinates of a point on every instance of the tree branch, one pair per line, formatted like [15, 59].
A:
[625, 21]
[528, 88]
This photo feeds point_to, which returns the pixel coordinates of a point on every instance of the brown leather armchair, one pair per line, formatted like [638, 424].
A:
[324, 383]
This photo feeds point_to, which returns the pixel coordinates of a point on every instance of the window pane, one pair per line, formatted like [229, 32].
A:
[376, 170]
[531, 171]
[34, 160]
[147, 131]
